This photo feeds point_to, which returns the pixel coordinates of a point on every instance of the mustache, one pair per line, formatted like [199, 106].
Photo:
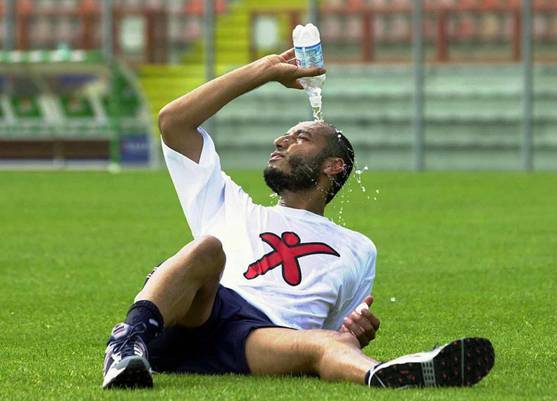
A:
[303, 175]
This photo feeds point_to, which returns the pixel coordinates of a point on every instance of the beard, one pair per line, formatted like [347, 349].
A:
[304, 174]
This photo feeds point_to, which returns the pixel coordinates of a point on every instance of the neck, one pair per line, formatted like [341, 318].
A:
[311, 200]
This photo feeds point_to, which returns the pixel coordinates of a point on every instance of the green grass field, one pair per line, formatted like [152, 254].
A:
[459, 253]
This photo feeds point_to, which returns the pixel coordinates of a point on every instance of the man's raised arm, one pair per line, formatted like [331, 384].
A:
[179, 119]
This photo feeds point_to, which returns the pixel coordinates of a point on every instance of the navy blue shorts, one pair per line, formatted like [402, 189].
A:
[216, 347]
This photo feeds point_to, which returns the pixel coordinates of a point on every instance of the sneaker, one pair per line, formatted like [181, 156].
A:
[462, 362]
[126, 359]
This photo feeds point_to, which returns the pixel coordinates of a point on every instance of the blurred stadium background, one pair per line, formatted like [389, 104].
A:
[439, 84]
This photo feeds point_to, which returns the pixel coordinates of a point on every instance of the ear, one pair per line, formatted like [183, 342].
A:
[333, 166]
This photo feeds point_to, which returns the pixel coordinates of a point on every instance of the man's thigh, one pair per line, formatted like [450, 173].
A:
[277, 350]
[199, 303]
[332, 355]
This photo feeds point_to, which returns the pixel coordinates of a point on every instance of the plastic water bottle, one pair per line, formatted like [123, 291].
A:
[307, 46]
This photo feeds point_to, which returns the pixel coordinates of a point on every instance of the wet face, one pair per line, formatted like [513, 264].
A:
[296, 164]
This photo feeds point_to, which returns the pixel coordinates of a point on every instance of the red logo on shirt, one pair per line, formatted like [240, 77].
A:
[286, 251]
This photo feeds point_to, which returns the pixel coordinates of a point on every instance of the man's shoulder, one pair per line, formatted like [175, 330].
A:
[367, 244]
[358, 239]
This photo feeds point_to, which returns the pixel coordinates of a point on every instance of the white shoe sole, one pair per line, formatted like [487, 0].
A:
[462, 362]
[130, 372]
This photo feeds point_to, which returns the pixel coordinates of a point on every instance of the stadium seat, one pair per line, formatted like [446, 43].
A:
[467, 108]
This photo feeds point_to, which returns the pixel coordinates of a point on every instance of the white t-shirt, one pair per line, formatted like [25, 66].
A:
[301, 269]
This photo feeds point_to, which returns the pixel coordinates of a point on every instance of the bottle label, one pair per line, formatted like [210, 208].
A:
[311, 56]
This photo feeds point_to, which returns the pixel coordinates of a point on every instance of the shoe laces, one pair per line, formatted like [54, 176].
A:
[125, 345]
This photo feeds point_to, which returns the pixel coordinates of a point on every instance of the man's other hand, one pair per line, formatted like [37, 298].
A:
[361, 323]
[283, 69]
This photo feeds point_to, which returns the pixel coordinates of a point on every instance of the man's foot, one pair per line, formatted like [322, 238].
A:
[462, 362]
[126, 360]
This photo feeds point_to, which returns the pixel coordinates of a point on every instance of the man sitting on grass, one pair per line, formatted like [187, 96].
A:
[266, 290]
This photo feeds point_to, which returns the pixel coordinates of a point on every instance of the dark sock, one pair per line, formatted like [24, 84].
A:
[147, 313]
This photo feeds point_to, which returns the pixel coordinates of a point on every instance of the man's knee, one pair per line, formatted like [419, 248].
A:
[204, 257]
[336, 339]
[331, 343]
[323, 342]
[209, 249]
[347, 339]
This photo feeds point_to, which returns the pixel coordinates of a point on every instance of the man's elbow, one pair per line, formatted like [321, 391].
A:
[173, 126]
[179, 134]
[165, 122]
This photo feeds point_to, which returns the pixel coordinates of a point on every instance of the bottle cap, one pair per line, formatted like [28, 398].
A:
[297, 33]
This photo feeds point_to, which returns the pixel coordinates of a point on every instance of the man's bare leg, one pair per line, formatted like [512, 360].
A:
[184, 286]
[331, 355]
[181, 291]
[337, 357]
